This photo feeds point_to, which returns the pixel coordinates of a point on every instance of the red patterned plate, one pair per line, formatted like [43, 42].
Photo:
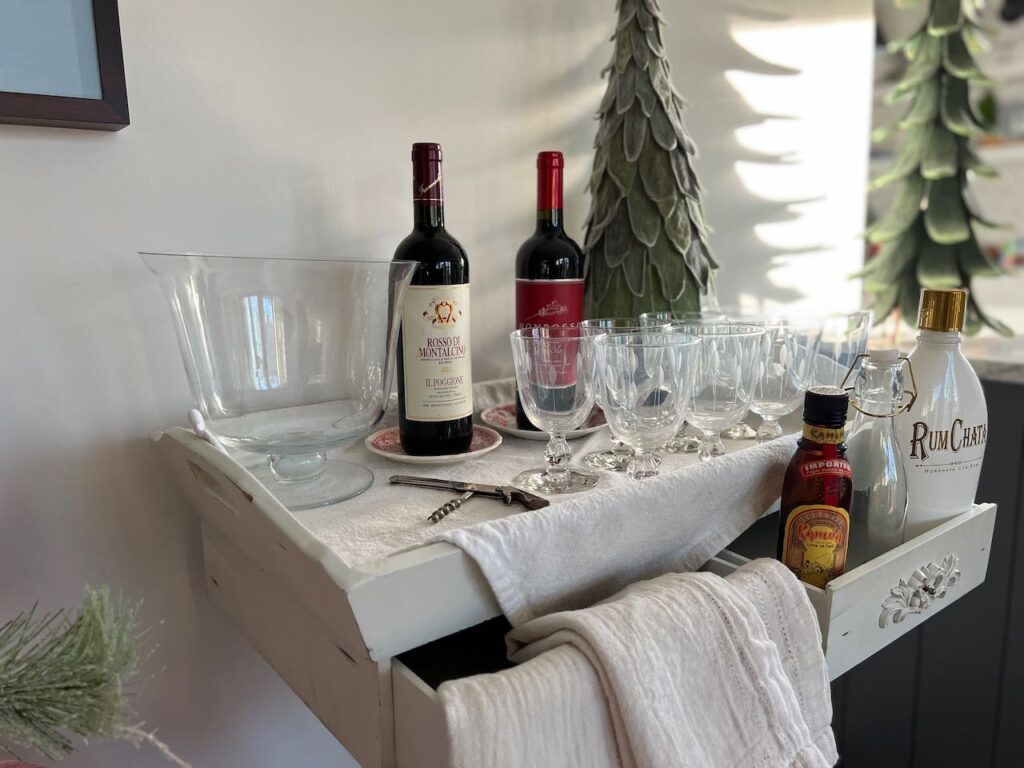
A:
[503, 418]
[386, 443]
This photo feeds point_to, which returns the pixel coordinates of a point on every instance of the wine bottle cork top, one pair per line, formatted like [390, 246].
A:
[550, 159]
[942, 310]
[429, 150]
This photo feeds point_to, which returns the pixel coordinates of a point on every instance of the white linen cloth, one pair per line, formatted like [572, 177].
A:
[388, 519]
[685, 670]
[592, 544]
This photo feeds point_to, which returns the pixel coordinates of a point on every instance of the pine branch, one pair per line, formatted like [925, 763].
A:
[64, 675]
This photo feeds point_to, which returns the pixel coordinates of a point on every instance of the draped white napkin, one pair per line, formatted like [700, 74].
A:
[684, 670]
[592, 544]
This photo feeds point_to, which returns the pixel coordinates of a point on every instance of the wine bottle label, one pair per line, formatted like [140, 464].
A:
[541, 303]
[436, 356]
[815, 542]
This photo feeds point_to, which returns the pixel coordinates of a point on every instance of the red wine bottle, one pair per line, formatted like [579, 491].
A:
[549, 265]
[435, 386]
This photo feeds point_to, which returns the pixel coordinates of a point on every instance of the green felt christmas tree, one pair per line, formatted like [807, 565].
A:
[646, 240]
[927, 237]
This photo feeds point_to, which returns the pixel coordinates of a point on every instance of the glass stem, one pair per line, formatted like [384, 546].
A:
[643, 464]
[295, 468]
[558, 455]
[619, 448]
[769, 429]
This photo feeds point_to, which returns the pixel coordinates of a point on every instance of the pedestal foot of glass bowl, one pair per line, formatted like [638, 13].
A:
[336, 482]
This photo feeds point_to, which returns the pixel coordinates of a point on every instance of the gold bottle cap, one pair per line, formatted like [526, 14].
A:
[942, 310]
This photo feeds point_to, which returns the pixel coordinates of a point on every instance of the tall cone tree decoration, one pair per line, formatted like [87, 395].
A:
[646, 241]
[927, 236]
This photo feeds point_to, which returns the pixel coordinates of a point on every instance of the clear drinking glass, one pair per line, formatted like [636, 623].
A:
[555, 369]
[726, 369]
[786, 371]
[843, 337]
[288, 358]
[742, 431]
[616, 458]
[683, 442]
[646, 379]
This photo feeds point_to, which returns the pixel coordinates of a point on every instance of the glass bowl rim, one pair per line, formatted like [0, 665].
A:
[275, 258]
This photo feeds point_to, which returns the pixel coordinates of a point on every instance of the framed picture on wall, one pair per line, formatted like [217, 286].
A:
[61, 64]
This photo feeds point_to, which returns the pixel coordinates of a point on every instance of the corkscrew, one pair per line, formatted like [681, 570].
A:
[447, 508]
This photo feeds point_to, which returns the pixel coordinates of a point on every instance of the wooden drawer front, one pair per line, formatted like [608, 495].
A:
[867, 608]
[420, 737]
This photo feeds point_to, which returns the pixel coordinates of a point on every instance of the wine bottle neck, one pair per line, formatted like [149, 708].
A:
[428, 215]
[549, 220]
[427, 187]
[549, 191]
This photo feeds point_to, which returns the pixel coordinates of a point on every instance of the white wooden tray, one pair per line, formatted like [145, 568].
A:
[331, 631]
[868, 607]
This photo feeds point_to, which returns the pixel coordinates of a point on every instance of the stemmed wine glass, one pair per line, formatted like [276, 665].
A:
[555, 368]
[616, 458]
[646, 379]
[682, 442]
[726, 370]
[786, 372]
[843, 337]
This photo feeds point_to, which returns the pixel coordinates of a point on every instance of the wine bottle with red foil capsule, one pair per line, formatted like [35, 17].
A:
[549, 265]
[435, 385]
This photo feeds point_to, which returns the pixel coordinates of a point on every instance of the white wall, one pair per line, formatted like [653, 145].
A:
[266, 127]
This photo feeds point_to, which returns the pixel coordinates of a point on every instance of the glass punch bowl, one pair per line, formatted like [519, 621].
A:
[288, 358]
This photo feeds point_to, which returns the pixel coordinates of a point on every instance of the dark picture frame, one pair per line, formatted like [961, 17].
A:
[108, 113]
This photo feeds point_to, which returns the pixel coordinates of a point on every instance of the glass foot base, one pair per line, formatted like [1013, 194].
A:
[741, 431]
[572, 480]
[683, 444]
[339, 481]
[613, 461]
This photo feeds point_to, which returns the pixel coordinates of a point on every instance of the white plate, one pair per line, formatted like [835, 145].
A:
[503, 418]
[386, 443]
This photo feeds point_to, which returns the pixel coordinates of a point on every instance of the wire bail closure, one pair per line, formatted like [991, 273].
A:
[910, 395]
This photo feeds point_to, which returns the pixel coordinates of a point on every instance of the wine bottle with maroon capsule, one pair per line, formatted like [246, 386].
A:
[435, 386]
[549, 265]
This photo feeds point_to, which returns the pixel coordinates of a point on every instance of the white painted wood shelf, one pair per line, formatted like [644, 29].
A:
[332, 631]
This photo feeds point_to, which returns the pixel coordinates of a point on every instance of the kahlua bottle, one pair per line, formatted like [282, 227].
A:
[814, 520]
